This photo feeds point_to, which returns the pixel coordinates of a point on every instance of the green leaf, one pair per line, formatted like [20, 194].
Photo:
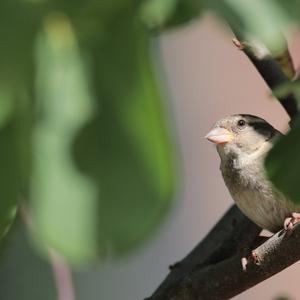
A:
[63, 200]
[291, 7]
[9, 159]
[103, 172]
[18, 25]
[19, 21]
[282, 298]
[254, 19]
[126, 148]
[164, 14]
[263, 20]
[186, 11]
[155, 12]
[283, 163]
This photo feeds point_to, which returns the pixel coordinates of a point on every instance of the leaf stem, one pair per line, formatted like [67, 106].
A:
[61, 271]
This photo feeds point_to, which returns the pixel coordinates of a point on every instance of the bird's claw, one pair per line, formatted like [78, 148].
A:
[252, 257]
[244, 262]
[290, 222]
[240, 45]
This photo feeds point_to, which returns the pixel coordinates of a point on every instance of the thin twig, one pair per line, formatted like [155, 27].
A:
[271, 71]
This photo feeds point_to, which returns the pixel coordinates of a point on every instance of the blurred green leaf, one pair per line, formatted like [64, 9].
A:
[289, 87]
[163, 14]
[124, 179]
[186, 11]
[126, 147]
[282, 298]
[155, 12]
[262, 20]
[9, 161]
[283, 165]
[291, 7]
[63, 200]
[19, 22]
[18, 25]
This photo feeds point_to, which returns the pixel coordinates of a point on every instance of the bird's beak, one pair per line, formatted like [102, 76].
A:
[219, 135]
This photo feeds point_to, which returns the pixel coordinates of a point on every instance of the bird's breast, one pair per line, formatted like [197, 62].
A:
[255, 195]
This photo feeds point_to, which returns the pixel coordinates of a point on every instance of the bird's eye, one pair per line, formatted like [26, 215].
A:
[241, 123]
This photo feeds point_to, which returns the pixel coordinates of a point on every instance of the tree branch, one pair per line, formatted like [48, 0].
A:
[224, 240]
[203, 274]
[272, 71]
[215, 282]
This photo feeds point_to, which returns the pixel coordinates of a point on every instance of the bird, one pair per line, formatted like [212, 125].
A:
[242, 142]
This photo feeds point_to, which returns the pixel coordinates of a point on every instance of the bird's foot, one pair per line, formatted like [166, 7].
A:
[251, 258]
[240, 45]
[244, 262]
[290, 222]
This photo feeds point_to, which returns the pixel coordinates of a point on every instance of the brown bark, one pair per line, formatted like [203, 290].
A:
[227, 278]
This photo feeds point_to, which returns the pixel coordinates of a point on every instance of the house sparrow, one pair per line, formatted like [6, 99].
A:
[242, 142]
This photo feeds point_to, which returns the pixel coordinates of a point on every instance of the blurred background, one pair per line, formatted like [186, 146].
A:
[205, 78]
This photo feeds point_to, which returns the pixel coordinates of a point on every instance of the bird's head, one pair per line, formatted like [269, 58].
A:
[242, 134]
